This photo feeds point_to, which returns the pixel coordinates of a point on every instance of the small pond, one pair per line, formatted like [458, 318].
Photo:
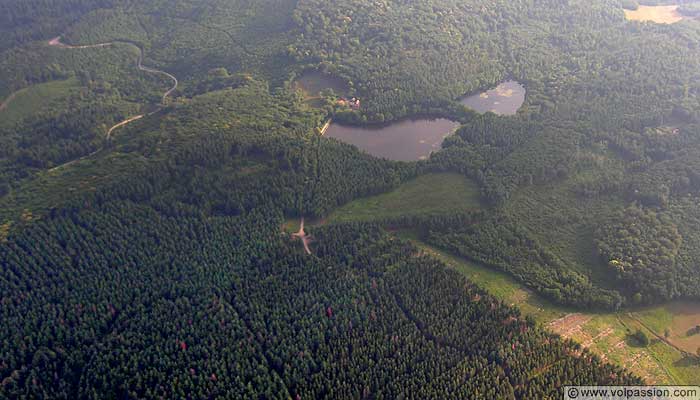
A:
[406, 140]
[504, 99]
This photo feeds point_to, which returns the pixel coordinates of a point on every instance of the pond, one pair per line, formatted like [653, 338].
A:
[406, 140]
[504, 99]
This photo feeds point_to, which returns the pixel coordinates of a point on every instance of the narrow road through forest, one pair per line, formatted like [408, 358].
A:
[8, 100]
[126, 121]
[56, 42]
[305, 239]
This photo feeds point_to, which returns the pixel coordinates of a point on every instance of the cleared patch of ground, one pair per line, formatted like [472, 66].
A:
[27, 101]
[679, 319]
[313, 82]
[658, 14]
[565, 222]
[667, 130]
[606, 334]
[427, 194]
[51, 189]
[291, 225]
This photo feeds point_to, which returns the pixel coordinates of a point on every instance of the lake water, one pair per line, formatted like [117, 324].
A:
[406, 140]
[504, 99]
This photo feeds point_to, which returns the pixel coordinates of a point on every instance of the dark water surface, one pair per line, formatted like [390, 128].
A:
[505, 99]
[406, 140]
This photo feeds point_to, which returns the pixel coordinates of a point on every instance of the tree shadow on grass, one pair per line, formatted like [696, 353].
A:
[632, 339]
[688, 361]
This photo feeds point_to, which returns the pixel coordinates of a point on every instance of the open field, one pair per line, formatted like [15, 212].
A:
[51, 188]
[291, 225]
[680, 318]
[496, 283]
[606, 334]
[555, 215]
[34, 98]
[313, 82]
[658, 14]
[427, 194]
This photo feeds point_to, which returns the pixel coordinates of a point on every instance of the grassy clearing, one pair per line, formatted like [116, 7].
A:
[34, 98]
[52, 188]
[679, 319]
[605, 334]
[313, 82]
[496, 283]
[427, 194]
[557, 217]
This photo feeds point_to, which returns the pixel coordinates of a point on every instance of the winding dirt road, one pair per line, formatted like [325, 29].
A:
[56, 42]
[126, 121]
[156, 71]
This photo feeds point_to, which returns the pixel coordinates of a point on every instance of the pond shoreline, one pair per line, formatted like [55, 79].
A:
[409, 139]
[384, 124]
[504, 99]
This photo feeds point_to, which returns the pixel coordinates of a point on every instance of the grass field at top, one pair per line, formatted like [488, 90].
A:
[313, 82]
[606, 334]
[678, 321]
[34, 98]
[658, 14]
[52, 188]
[565, 222]
[427, 194]
[495, 282]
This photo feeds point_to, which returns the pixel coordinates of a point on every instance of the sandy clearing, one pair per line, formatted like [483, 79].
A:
[569, 324]
[126, 121]
[305, 239]
[658, 14]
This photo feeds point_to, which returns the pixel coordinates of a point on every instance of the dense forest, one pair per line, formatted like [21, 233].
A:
[184, 263]
[610, 113]
[265, 322]
[151, 261]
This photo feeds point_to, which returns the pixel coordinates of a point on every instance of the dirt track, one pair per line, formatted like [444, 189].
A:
[109, 132]
[56, 42]
[305, 239]
[7, 101]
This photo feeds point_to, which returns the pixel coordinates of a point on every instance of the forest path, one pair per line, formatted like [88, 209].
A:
[56, 42]
[305, 239]
[109, 135]
[7, 101]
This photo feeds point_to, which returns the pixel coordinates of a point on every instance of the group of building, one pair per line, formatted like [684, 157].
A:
[353, 103]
